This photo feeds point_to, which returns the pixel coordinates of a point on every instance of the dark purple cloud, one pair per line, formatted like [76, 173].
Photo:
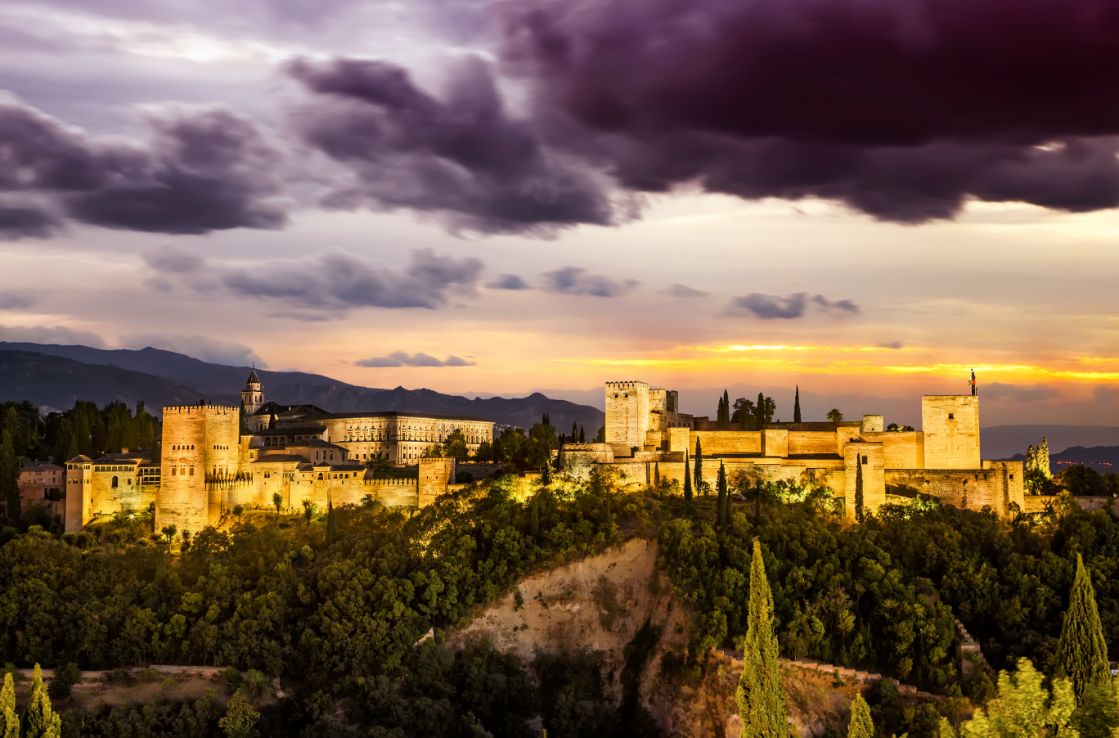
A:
[683, 291]
[796, 305]
[461, 156]
[203, 170]
[901, 110]
[577, 281]
[23, 221]
[401, 358]
[508, 282]
[337, 282]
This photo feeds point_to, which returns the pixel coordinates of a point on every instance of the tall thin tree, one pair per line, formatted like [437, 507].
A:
[1082, 649]
[861, 725]
[687, 481]
[760, 694]
[796, 405]
[860, 510]
[9, 718]
[698, 464]
[41, 721]
[722, 516]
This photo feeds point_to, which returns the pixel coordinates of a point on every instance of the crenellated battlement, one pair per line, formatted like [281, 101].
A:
[200, 410]
[625, 384]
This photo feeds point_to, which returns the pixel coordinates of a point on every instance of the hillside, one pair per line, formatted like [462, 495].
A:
[54, 382]
[1104, 459]
[54, 375]
[1004, 441]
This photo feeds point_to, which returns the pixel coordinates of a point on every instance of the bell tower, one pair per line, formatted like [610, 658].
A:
[252, 396]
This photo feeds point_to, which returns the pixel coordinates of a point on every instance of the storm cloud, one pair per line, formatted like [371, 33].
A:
[201, 170]
[577, 281]
[508, 282]
[901, 110]
[338, 282]
[789, 307]
[401, 358]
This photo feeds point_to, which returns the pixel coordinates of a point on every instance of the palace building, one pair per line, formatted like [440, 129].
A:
[216, 458]
[647, 438]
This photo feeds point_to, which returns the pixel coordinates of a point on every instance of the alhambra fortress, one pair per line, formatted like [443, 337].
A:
[648, 438]
[215, 459]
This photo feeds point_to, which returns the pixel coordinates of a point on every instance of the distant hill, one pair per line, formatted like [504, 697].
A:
[1104, 459]
[54, 382]
[52, 376]
[1004, 441]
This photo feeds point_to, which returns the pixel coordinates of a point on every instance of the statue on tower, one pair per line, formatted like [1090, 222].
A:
[974, 389]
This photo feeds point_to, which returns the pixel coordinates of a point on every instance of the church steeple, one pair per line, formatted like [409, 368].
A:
[252, 396]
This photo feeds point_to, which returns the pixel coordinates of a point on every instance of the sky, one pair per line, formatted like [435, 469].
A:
[863, 198]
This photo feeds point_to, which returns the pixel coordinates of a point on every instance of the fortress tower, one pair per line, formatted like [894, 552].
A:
[951, 428]
[252, 396]
[200, 445]
[627, 415]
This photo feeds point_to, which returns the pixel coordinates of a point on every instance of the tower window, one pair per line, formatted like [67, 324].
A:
[865, 461]
[116, 482]
[951, 416]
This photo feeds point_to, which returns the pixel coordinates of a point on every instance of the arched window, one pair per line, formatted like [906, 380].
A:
[116, 482]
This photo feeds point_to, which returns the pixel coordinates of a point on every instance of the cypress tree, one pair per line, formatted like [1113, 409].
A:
[759, 412]
[861, 725]
[761, 696]
[796, 405]
[534, 517]
[721, 511]
[657, 475]
[574, 432]
[860, 511]
[687, 481]
[546, 473]
[331, 523]
[41, 720]
[72, 450]
[1082, 649]
[9, 718]
[582, 435]
[698, 464]
[9, 473]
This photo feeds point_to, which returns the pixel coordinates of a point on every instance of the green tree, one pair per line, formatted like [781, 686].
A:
[722, 506]
[860, 508]
[1082, 649]
[454, 446]
[796, 405]
[9, 718]
[277, 501]
[9, 471]
[722, 416]
[760, 694]
[546, 473]
[698, 464]
[687, 480]
[240, 718]
[861, 724]
[1024, 708]
[834, 416]
[41, 721]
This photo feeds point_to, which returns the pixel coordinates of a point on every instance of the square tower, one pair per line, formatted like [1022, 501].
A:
[951, 428]
[627, 415]
[200, 448]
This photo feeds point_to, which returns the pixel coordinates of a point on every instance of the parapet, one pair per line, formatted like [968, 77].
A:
[627, 384]
[200, 410]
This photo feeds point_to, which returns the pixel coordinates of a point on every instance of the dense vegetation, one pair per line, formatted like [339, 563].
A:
[883, 595]
[335, 604]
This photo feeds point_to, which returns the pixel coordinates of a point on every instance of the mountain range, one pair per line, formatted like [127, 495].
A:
[54, 376]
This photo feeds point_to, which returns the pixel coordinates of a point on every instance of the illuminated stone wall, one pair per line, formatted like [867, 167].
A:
[951, 427]
[199, 442]
[401, 439]
[627, 415]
